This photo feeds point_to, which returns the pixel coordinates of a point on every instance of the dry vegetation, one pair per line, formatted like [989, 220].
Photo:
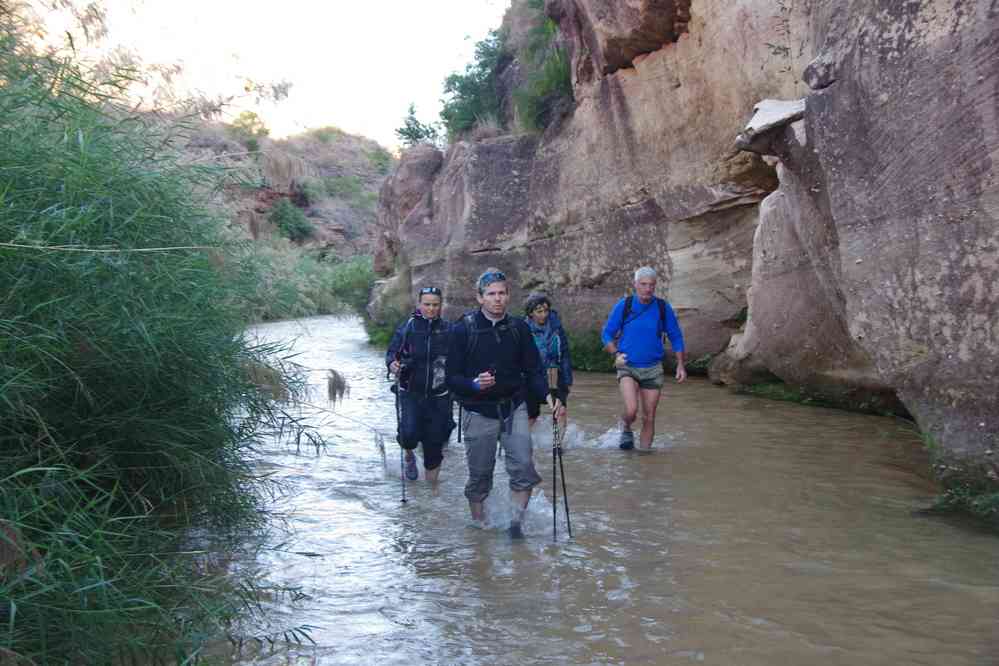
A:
[331, 176]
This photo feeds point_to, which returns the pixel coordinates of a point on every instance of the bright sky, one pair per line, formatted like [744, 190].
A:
[355, 64]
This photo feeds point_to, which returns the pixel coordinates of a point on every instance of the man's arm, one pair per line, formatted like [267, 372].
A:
[395, 347]
[612, 326]
[455, 367]
[675, 336]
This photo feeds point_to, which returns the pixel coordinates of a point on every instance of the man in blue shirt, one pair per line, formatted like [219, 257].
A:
[494, 369]
[634, 334]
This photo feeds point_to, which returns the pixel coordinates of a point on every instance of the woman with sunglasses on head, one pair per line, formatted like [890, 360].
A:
[417, 357]
[553, 346]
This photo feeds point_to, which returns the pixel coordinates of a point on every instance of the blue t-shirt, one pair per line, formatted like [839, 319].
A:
[641, 338]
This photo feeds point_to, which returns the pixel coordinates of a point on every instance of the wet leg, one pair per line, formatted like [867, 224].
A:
[629, 394]
[650, 402]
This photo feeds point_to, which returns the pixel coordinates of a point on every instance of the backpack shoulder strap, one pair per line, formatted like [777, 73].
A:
[515, 329]
[407, 327]
[471, 332]
[662, 315]
[624, 315]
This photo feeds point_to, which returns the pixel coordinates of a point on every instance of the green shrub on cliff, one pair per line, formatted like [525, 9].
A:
[548, 84]
[413, 132]
[248, 128]
[472, 95]
[127, 411]
[290, 220]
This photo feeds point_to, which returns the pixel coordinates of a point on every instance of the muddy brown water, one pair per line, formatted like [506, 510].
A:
[756, 533]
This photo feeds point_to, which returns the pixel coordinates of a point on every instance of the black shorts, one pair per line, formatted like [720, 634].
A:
[426, 420]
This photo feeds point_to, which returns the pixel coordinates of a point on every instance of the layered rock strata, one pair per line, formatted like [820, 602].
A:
[643, 171]
[875, 264]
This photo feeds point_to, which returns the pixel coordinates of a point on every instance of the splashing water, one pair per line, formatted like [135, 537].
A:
[755, 533]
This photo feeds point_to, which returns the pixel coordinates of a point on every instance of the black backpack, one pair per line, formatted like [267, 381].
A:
[474, 331]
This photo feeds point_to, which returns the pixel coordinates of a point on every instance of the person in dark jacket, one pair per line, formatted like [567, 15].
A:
[493, 367]
[416, 356]
[553, 347]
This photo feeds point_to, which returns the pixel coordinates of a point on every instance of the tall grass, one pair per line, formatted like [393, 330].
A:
[289, 283]
[127, 414]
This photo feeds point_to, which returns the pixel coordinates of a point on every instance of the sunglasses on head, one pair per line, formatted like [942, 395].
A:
[488, 278]
[434, 291]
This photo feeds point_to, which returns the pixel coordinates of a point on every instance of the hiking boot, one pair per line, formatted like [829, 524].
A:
[412, 473]
[515, 531]
[627, 440]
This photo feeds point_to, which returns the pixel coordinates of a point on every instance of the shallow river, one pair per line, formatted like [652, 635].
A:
[756, 532]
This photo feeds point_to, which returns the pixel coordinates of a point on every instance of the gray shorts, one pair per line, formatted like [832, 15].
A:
[480, 435]
[652, 377]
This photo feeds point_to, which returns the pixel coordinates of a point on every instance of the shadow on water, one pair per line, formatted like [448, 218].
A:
[756, 532]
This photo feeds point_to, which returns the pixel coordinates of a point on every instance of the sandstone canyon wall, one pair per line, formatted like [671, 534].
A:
[870, 272]
[885, 229]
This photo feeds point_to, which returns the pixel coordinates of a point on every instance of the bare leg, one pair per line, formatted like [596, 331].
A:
[629, 393]
[432, 475]
[520, 498]
[650, 402]
[478, 511]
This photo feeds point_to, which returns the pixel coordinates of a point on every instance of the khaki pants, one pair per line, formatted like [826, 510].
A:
[481, 434]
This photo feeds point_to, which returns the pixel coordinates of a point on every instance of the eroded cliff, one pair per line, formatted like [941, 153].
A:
[869, 274]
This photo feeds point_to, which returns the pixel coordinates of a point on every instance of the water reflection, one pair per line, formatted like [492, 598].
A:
[755, 533]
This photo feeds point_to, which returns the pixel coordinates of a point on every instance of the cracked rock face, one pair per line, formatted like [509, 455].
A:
[797, 329]
[880, 250]
[906, 141]
[874, 267]
[644, 172]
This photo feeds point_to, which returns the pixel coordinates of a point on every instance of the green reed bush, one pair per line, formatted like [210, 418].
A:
[344, 187]
[127, 415]
[291, 284]
[587, 352]
[290, 220]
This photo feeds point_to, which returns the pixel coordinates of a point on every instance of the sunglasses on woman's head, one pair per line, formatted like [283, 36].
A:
[434, 291]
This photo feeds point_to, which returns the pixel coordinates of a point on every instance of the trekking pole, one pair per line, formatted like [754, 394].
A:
[554, 480]
[402, 474]
[553, 381]
[565, 493]
[398, 438]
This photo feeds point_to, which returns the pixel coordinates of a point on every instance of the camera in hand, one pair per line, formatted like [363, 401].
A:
[405, 373]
